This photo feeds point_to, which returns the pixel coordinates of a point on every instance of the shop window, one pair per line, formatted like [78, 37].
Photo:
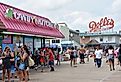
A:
[38, 40]
[29, 43]
[57, 41]
[101, 39]
[53, 41]
[109, 38]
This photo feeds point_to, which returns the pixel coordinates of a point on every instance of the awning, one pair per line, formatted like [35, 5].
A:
[19, 26]
[93, 42]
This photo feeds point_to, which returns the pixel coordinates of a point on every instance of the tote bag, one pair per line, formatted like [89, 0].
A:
[31, 61]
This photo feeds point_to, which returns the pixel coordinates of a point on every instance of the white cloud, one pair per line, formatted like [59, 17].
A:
[44, 4]
[116, 6]
[76, 13]
[78, 20]
[115, 13]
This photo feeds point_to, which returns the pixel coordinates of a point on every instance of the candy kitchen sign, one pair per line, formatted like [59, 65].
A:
[10, 13]
[102, 25]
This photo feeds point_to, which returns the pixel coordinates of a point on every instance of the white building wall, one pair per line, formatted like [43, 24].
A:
[114, 39]
[117, 39]
[65, 31]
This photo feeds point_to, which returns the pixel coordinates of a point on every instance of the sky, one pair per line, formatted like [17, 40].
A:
[77, 14]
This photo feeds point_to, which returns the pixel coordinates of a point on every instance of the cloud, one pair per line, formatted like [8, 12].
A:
[116, 6]
[76, 13]
[115, 13]
[45, 4]
[78, 20]
[46, 8]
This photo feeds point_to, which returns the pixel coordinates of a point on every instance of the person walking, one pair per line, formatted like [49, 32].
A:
[70, 55]
[24, 65]
[17, 63]
[42, 59]
[12, 61]
[75, 56]
[119, 55]
[110, 57]
[98, 54]
[6, 63]
[81, 54]
[51, 59]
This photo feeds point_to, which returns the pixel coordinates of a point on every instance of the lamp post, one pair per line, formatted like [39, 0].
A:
[71, 35]
[83, 38]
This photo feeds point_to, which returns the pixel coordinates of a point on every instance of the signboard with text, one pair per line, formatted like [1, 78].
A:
[18, 15]
[102, 25]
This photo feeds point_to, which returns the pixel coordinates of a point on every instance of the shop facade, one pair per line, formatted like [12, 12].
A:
[18, 27]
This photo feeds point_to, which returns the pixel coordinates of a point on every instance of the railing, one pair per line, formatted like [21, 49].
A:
[103, 33]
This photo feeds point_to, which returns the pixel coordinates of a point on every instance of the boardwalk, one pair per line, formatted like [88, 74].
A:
[82, 73]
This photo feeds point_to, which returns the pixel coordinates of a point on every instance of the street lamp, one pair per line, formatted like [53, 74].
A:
[83, 41]
[71, 35]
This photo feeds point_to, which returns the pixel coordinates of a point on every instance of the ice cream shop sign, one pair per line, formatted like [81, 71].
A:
[13, 14]
[102, 25]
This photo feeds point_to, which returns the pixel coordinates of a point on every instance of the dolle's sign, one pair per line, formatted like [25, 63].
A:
[10, 13]
[102, 25]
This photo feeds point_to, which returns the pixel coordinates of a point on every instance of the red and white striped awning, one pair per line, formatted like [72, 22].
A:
[19, 26]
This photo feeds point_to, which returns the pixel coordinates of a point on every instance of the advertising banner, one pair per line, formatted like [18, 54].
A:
[7, 39]
[29, 43]
[7, 45]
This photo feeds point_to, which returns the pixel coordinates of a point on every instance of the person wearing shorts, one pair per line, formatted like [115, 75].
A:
[119, 56]
[51, 59]
[111, 57]
[6, 63]
[81, 54]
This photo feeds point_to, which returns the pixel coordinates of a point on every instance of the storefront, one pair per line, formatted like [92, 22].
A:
[18, 27]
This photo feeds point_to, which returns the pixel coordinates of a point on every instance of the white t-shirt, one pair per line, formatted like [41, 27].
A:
[98, 54]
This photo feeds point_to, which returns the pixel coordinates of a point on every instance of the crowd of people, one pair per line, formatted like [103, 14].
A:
[15, 64]
[18, 63]
[110, 53]
[98, 53]
[45, 57]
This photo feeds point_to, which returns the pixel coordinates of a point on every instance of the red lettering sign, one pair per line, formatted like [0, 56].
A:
[102, 25]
